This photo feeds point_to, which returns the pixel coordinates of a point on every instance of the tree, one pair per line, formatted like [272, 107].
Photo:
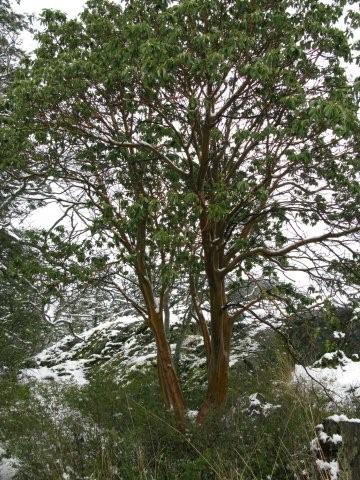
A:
[23, 330]
[116, 200]
[11, 25]
[214, 138]
[20, 304]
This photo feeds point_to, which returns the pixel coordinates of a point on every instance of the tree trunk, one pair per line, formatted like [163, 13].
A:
[218, 368]
[206, 337]
[200, 319]
[220, 323]
[181, 336]
[169, 382]
[166, 313]
[168, 379]
[162, 383]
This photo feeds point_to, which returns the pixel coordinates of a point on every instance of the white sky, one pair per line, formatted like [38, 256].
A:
[71, 7]
[35, 7]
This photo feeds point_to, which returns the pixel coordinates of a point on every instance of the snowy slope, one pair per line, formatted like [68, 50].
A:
[126, 346]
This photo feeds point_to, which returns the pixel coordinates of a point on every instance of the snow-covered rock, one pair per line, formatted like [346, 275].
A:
[336, 448]
[126, 346]
[259, 407]
[329, 470]
[339, 374]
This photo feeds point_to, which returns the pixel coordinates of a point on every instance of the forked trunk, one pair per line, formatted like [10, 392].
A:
[218, 368]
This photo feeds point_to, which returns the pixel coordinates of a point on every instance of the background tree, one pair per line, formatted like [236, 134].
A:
[11, 25]
[217, 138]
[21, 327]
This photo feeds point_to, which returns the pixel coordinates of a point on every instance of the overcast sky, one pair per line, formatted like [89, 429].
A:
[70, 7]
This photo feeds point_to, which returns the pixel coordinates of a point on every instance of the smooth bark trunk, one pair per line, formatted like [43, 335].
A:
[218, 368]
[220, 324]
[166, 313]
[162, 382]
[169, 382]
[200, 319]
[181, 337]
[206, 337]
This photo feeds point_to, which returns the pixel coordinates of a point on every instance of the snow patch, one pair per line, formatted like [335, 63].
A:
[9, 466]
[341, 380]
[331, 468]
[68, 371]
[192, 414]
[343, 418]
[258, 406]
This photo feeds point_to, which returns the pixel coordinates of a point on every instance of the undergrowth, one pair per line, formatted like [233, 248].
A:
[105, 431]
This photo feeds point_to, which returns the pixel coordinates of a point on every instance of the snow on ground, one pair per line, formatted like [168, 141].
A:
[259, 407]
[69, 371]
[343, 418]
[8, 466]
[68, 360]
[328, 468]
[342, 380]
[192, 414]
[125, 345]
